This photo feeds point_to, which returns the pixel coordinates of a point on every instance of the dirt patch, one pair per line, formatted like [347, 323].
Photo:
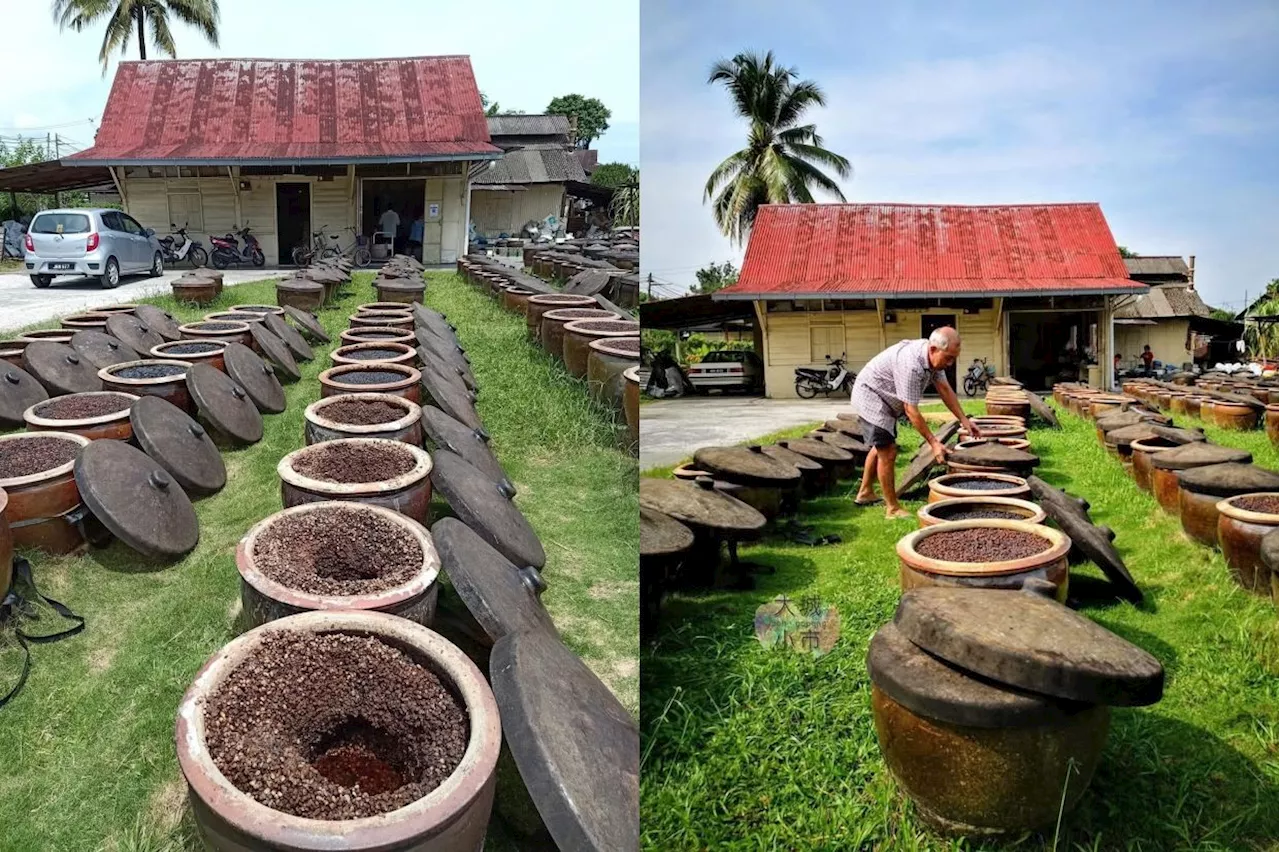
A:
[334, 727]
[25, 456]
[1267, 504]
[347, 463]
[982, 544]
[610, 591]
[166, 804]
[149, 371]
[337, 552]
[101, 658]
[78, 406]
[361, 412]
[368, 377]
[194, 348]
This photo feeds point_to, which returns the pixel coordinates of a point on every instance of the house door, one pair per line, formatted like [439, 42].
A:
[930, 322]
[293, 217]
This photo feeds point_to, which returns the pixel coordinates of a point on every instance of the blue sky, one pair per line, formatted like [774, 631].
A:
[1164, 113]
[531, 57]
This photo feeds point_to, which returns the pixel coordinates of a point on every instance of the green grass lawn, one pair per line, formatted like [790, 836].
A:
[86, 750]
[745, 748]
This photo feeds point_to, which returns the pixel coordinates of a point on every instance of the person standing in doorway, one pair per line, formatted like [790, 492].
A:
[389, 224]
[891, 384]
[1148, 357]
[415, 237]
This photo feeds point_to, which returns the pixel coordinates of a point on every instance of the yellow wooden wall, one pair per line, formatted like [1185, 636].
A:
[500, 211]
[1167, 339]
[789, 339]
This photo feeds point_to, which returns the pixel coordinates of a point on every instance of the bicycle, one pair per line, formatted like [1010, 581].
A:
[304, 254]
[359, 252]
[976, 379]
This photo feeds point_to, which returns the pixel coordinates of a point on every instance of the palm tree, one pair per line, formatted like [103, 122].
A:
[782, 160]
[124, 17]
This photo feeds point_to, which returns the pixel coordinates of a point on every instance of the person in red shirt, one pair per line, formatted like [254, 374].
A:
[1147, 357]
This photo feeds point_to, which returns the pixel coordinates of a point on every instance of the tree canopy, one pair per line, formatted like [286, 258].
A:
[592, 116]
[125, 18]
[614, 175]
[715, 276]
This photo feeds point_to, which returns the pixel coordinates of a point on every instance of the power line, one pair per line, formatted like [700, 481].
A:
[48, 127]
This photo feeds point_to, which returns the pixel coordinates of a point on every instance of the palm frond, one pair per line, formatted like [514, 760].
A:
[809, 176]
[725, 171]
[119, 29]
[798, 98]
[201, 14]
[821, 156]
[161, 35]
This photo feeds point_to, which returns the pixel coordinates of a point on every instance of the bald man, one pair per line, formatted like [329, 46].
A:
[889, 385]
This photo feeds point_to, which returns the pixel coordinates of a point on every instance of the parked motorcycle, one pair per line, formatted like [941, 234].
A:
[178, 247]
[811, 381]
[227, 251]
[976, 379]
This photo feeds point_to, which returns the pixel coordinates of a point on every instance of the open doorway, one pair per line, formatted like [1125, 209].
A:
[293, 217]
[404, 198]
[929, 323]
[1052, 346]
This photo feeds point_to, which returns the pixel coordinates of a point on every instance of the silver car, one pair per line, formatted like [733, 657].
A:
[102, 244]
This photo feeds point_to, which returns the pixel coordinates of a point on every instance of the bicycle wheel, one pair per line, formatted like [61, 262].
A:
[328, 253]
[299, 256]
[362, 257]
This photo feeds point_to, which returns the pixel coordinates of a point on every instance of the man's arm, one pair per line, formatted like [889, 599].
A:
[917, 420]
[952, 402]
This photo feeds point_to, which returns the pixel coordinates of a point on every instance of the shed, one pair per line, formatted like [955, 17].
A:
[530, 182]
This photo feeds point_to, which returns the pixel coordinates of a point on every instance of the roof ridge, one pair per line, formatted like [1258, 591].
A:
[466, 56]
[836, 204]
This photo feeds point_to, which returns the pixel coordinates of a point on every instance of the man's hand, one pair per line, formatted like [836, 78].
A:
[939, 451]
[974, 432]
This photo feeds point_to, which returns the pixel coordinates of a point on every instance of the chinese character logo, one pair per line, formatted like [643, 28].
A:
[807, 625]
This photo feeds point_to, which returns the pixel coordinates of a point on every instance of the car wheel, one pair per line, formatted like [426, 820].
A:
[157, 265]
[42, 281]
[111, 274]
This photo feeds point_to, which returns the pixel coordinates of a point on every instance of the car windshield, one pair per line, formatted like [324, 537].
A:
[60, 223]
[722, 357]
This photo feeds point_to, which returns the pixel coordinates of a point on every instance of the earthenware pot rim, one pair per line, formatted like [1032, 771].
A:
[1059, 546]
[1226, 507]
[561, 299]
[212, 353]
[1147, 445]
[401, 335]
[420, 471]
[632, 374]
[383, 831]
[333, 376]
[33, 419]
[414, 413]
[232, 316]
[108, 373]
[51, 473]
[416, 585]
[1038, 516]
[189, 328]
[407, 353]
[573, 327]
[938, 486]
[275, 309]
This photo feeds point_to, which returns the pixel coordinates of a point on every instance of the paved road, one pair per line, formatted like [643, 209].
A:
[671, 429]
[21, 304]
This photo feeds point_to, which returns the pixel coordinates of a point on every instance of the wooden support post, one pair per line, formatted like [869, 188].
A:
[235, 188]
[762, 324]
[997, 341]
[880, 309]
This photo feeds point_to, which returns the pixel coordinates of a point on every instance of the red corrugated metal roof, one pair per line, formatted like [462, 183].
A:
[213, 111]
[912, 250]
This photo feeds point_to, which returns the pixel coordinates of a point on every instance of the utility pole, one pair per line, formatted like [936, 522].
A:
[650, 285]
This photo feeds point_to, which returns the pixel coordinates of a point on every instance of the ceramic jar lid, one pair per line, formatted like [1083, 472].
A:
[451, 396]
[298, 346]
[254, 377]
[814, 449]
[576, 746]
[225, 404]
[19, 390]
[158, 320]
[1126, 435]
[1030, 642]
[1197, 454]
[60, 368]
[852, 428]
[472, 444]
[662, 535]
[486, 506]
[130, 329]
[274, 349]
[841, 440]
[994, 454]
[796, 460]
[699, 503]
[746, 465]
[1177, 435]
[307, 321]
[1228, 479]
[103, 350]
[179, 444]
[135, 498]
[503, 598]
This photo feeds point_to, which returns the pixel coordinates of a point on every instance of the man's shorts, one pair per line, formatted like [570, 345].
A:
[874, 436]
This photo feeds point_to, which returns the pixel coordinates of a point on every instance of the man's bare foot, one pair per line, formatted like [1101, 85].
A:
[898, 514]
[866, 498]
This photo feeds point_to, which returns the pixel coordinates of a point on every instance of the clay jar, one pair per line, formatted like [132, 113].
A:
[1272, 422]
[407, 427]
[1201, 489]
[397, 379]
[1166, 473]
[376, 352]
[1011, 404]
[579, 334]
[455, 815]
[6, 543]
[609, 358]
[115, 426]
[1236, 416]
[301, 294]
[198, 290]
[538, 305]
[1049, 565]
[11, 351]
[210, 352]
[1240, 534]
[94, 321]
[1141, 452]
[631, 409]
[948, 486]
[408, 493]
[943, 511]
[1105, 404]
[264, 599]
[515, 299]
[381, 319]
[171, 388]
[43, 507]
[236, 332]
[552, 327]
[376, 334]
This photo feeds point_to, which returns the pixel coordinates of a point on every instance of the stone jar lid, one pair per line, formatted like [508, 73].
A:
[1198, 454]
[1228, 479]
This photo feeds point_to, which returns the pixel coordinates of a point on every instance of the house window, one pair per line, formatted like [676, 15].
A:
[825, 340]
[186, 208]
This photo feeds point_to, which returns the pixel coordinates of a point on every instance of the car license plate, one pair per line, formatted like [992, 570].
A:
[62, 266]
[717, 371]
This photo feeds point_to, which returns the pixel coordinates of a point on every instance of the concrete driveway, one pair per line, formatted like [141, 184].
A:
[671, 429]
[21, 304]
